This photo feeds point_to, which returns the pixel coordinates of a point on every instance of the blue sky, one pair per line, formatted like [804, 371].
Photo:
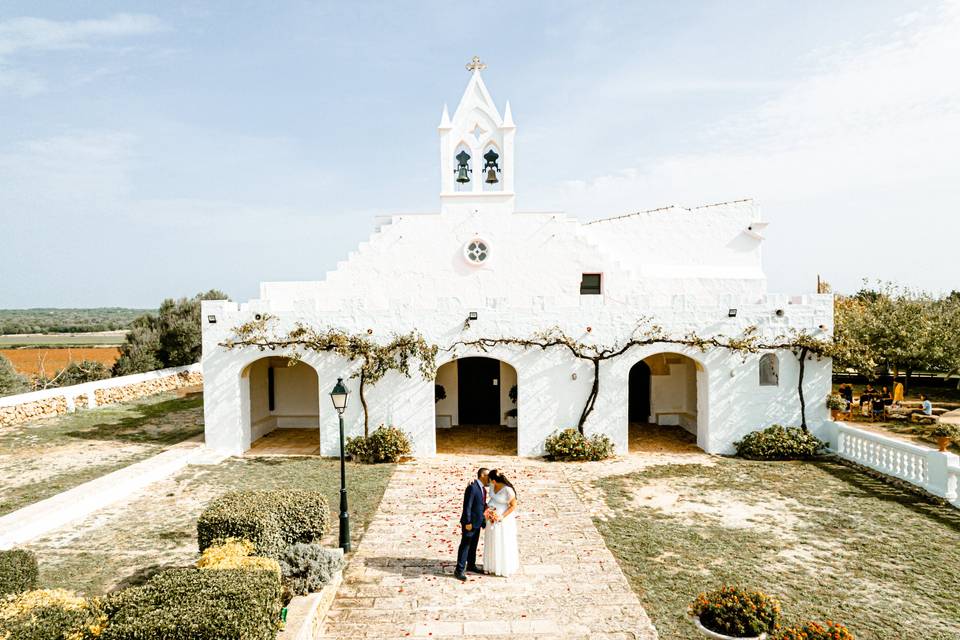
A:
[158, 149]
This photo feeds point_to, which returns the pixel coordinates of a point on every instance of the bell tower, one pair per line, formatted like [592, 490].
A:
[476, 147]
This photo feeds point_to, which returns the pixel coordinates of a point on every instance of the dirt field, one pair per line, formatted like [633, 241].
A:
[29, 361]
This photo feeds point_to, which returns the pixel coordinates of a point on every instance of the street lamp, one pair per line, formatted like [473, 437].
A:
[339, 398]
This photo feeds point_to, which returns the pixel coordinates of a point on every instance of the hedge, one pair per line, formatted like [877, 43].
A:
[271, 520]
[18, 571]
[50, 614]
[194, 604]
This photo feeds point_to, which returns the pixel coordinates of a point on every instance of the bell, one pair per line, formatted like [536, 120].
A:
[463, 170]
[492, 176]
[491, 166]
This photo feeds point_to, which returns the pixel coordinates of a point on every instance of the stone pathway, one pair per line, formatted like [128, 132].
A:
[400, 584]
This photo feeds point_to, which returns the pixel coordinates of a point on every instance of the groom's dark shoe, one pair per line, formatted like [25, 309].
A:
[462, 577]
[475, 569]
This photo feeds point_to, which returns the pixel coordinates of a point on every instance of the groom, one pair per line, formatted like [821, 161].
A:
[471, 521]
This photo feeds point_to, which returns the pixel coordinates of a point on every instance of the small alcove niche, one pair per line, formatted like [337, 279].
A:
[769, 370]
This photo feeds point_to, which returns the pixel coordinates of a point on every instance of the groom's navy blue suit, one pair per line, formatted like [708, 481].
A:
[474, 505]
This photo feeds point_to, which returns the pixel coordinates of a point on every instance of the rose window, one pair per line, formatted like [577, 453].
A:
[476, 251]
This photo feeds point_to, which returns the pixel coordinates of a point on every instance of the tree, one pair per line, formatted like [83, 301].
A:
[172, 338]
[11, 382]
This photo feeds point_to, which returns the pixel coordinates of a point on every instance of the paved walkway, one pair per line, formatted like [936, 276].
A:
[400, 584]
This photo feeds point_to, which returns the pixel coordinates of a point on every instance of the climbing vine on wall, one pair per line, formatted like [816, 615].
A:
[646, 333]
[375, 359]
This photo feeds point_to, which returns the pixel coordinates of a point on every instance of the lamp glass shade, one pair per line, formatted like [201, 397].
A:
[339, 396]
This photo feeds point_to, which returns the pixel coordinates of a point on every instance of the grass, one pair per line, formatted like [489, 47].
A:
[125, 544]
[43, 458]
[828, 541]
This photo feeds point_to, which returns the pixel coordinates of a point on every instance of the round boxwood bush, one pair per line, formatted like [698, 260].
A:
[737, 612]
[194, 604]
[570, 444]
[816, 631]
[780, 443]
[18, 571]
[307, 568]
[386, 444]
[271, 520]
[50, 614]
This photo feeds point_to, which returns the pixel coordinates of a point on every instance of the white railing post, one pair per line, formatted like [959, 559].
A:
[938, 465]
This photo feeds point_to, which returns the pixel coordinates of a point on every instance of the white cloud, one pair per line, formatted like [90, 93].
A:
[24, 35]
[861, 146]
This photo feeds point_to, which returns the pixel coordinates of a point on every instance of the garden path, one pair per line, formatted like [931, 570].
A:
[400, 584]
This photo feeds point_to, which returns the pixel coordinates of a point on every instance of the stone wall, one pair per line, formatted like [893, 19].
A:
[52, 402]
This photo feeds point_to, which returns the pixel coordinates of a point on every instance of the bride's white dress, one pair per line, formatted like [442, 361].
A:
[501, 556]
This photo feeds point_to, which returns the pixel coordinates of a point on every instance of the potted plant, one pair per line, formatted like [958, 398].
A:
[731, 612]
[816, 631]
[836, 404]
[944, 433]
[511, 415]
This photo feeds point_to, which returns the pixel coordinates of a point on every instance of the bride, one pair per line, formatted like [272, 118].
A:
[501, 555]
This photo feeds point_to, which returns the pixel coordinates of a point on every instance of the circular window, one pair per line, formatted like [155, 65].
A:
[476, 251]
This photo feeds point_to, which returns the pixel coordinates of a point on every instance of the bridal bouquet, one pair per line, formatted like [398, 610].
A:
[491, 516]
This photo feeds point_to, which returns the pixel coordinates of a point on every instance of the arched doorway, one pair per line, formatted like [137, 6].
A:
[476, 406]
[283, 407]
[663, 403]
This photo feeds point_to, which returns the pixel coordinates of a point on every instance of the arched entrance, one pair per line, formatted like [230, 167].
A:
[663, 403]
[283, 407]
[476, 406]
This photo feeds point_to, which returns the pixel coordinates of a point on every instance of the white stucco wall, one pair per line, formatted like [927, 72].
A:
[682, 269]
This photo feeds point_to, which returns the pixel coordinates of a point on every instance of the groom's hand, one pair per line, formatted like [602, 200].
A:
[468, 527]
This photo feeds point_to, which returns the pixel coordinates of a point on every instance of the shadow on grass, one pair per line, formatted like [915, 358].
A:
[143, 574]
[130, 429]
[882, 489]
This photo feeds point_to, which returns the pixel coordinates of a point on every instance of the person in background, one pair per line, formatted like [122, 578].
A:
[897, 393]
[927, 405]
[846, 392]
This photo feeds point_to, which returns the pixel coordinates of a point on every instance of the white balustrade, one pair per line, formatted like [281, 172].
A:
[935, 471]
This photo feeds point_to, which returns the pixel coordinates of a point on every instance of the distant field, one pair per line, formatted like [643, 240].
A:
[103, 338]
[51, 320]
[29, 360]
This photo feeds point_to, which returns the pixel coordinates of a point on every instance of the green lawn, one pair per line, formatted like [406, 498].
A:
[123, 544]
[828, 541]
[45, 457]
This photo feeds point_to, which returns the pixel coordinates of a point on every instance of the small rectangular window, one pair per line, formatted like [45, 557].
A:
[590, 284]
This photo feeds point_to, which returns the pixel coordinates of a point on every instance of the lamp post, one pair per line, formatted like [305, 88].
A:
[339, 398]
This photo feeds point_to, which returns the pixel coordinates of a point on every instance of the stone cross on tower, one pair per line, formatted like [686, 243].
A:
[476, 65]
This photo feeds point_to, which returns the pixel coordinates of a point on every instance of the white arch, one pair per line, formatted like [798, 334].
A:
[248, 417]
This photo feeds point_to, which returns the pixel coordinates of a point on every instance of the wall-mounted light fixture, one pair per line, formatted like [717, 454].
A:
[731, 313]
[573, 376]
[470, 316]
[212, 319]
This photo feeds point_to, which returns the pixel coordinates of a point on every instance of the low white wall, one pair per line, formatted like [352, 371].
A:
[50, 402]
[936, 472]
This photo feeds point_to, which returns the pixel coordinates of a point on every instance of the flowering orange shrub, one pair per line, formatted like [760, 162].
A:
[816, 631]
[737, 612]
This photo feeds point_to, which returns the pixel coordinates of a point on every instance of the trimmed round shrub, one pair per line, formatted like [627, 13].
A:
[18, 571]
[570, 444]
[816, 631]
[50, 614]
[386, 444]
[270, 520]
[307, 568]
[235, 554]
[780, 443]
[737, 612]
[191, 604]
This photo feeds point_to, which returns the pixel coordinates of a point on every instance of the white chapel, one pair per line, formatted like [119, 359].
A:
[480, 268]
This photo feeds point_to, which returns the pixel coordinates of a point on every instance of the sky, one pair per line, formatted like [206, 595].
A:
[153, 150]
